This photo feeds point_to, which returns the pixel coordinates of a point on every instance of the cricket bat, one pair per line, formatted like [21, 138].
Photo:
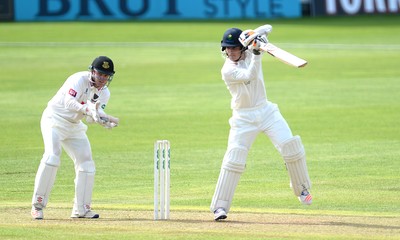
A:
[282, 55]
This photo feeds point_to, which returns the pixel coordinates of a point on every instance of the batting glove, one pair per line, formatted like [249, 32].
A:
[247, 37]
[255, 45]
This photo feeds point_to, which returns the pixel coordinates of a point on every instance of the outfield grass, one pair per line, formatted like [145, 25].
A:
[345, 105]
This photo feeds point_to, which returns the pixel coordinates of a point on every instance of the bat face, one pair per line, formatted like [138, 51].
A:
[284, 56]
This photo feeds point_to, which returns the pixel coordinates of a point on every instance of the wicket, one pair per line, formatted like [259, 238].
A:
[162, 153]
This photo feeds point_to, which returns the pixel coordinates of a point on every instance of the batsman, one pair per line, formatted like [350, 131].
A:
[83, 95]
[252, 114]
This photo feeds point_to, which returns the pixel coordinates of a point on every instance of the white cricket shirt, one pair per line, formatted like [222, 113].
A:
[245, 82]
[76, 91]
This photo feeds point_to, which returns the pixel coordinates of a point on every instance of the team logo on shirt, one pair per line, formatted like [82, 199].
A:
[72, 92]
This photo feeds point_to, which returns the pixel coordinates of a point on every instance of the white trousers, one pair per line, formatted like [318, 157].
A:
[60, 134]
[246, 124]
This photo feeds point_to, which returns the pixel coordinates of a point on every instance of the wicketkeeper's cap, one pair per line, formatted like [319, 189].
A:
[103, 65]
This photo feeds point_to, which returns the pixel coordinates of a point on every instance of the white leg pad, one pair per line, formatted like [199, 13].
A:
[84, 183]
[293, 154]
[232, 167]
[44, 181]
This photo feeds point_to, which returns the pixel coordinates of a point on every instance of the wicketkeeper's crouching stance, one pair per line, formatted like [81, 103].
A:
[253, 114]
[83, 95]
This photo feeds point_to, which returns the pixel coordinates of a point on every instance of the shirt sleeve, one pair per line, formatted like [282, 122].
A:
[72, 105]
[232, 73]
[74, 89]
[104, 98]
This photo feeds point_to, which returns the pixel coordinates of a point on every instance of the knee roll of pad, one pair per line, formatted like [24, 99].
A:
[51, 160]
[292, 149]
[235, 159]
[87, 167]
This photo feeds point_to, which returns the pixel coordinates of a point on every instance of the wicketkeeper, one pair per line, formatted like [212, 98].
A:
[253, 113]
[83, 95]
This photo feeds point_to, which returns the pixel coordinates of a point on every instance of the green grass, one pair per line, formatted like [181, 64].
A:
[345, 105]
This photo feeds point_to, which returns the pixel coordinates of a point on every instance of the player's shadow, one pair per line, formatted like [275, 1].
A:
[191, 221]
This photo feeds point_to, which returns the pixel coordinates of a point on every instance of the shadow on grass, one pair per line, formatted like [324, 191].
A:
[230, 222]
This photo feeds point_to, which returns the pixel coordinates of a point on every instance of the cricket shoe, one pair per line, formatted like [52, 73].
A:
[219, 214]
[37, 213]
[305, 197]
[88, 213]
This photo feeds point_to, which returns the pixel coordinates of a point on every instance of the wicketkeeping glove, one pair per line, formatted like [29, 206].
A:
[108, 121]
[92, 109]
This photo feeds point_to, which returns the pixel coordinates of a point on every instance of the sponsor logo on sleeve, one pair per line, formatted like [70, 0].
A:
[72, 92]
